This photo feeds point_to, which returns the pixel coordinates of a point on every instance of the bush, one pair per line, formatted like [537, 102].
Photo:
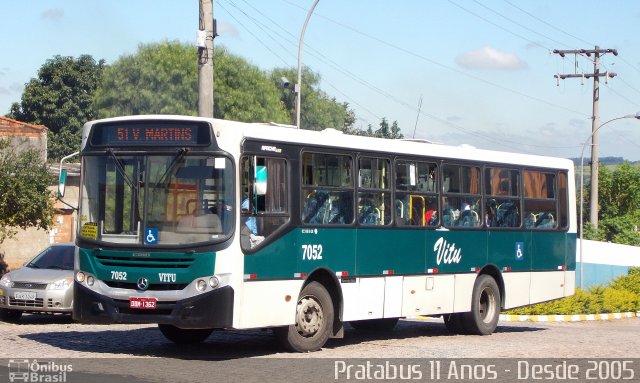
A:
[616, 301]
[622, 295]
[630, 282]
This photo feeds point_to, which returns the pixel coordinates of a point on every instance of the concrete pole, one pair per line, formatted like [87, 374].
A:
[595, 125]
[205, 60]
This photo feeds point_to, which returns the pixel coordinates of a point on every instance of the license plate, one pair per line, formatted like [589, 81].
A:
[142, 303]
[25, 295]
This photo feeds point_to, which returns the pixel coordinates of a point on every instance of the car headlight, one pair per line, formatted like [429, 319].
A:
[5, 281]
[62, 284]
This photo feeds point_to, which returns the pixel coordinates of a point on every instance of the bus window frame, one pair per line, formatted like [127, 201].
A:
[437, 193]
[306, 189]
[480, 195]
[389, 191]
[288, 214]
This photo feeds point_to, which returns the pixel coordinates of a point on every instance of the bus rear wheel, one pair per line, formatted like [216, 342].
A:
[184, 335]
[313, 321]
[485, 307]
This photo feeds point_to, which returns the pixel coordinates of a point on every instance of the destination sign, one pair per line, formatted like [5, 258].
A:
[168, 133]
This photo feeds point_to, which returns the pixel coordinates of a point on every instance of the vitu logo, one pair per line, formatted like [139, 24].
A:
[446, 252]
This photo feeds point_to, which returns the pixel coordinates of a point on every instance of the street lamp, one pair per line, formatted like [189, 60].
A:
[584, 145]
[298, 87]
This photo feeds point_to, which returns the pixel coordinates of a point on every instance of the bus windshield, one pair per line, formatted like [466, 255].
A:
[156, 199]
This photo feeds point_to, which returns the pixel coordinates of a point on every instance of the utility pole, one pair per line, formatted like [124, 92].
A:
[595, 123]
[204, 41]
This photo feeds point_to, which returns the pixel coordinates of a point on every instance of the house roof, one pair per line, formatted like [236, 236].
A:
[9, 127]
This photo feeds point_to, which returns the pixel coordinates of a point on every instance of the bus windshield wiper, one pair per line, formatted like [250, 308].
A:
[176, 160]
[127, 179]
[120, 168]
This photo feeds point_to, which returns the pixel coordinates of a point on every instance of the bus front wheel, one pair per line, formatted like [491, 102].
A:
[313, 321]
[184, 335]
[485, 307]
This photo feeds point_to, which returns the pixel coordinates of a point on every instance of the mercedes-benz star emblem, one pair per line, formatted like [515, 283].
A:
[143, 283]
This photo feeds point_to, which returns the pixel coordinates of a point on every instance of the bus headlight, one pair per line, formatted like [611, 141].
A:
[214, 282]
[90, 280]
[80, 276]
[201, 285]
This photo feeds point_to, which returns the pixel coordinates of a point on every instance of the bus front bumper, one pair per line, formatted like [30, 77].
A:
[213, 309]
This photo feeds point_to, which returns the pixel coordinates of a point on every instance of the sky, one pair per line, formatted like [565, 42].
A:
[473, 72]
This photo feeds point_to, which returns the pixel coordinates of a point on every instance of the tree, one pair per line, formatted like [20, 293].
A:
[243, 92]
[25, 199]
[161, 78]
[61, 98]
[619, 206]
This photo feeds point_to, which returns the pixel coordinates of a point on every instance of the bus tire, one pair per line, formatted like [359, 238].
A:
[381, 324]
[454, 323]
[184, 335]
[485, 307]
[313, 322]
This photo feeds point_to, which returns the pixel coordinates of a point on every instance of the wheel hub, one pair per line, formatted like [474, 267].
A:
[309, 317]
[487, 305]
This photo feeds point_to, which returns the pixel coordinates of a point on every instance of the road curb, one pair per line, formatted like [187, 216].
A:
[567, 318]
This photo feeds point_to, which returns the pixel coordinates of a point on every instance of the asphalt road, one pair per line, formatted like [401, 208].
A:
[135, 353]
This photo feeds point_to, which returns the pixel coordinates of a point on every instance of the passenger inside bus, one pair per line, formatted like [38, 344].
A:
[249, 237]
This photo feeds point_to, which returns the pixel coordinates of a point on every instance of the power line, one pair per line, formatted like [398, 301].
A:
[519, 24]
[498, 26]
[482, 136]
[546, 23]
[252, 34]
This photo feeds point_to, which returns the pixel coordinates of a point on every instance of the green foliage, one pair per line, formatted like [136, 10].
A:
[615, 301]
[629, 282]
[25, 200]
[619, 206]
[622, 295]
[384, 130]
[61, 99]
[160, 78]
[243, 92]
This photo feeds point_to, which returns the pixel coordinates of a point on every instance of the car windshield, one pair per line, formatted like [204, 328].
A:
[54, 257]
[159, 200]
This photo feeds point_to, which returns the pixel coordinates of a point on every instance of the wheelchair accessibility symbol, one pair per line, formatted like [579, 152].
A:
[519, 250]
[151, 236]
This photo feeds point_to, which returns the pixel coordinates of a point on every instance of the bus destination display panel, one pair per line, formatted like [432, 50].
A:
[151, 134]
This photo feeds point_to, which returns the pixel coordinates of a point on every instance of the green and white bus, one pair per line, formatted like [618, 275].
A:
[199, 224]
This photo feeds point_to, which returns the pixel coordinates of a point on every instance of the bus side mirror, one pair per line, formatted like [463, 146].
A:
[62, 181]
[62, 177]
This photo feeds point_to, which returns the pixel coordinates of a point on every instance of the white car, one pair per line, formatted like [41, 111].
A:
[43, 285]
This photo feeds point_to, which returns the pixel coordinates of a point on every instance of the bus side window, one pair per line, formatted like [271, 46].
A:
[264, 199]
[327, 188]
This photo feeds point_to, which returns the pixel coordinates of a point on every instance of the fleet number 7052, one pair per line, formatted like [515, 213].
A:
[311, 252]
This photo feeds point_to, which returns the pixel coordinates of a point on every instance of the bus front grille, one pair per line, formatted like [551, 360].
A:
[154, 287]
[159, 263]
